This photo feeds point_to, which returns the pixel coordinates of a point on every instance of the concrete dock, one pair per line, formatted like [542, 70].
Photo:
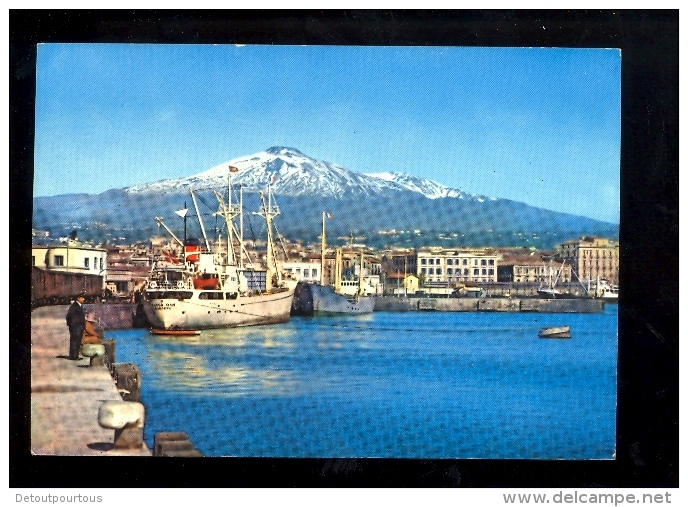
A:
[66, 395]
[446, 304]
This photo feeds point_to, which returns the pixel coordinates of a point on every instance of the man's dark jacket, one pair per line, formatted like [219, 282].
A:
[76, 317]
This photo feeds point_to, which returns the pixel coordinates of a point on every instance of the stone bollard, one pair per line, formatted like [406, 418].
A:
[174, 444]
[128, 380]
[126, 418]
[186, 453]
[109, 345]
[163, 437]
[94, 351]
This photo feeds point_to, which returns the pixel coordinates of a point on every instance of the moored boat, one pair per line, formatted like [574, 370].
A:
[176, 332]
[321, 299]
[215, 289]
[316, 299]
[555, 332]
[609, 293]
[551, 290]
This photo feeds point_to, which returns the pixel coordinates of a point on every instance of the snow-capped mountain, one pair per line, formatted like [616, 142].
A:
[387, 208]
[295, 174]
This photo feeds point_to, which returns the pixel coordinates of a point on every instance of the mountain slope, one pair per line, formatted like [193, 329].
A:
[383, 208]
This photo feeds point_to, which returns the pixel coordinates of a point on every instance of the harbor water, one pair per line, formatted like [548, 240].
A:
[403, 385]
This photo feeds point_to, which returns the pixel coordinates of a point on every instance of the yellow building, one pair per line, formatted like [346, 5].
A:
[592, 258]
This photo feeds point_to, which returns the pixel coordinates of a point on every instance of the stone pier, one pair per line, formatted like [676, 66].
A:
[66, 395]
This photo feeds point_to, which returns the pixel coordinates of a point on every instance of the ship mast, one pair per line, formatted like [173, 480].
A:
[228, 212]
[241, 226]
[269, 212]
[360, 277]
[322, 252]
[338, 270]
[200, 220]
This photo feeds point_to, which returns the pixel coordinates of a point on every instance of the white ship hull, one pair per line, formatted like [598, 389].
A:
[173, 312]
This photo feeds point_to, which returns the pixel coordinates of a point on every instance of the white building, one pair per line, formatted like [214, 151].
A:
[457, 265]
[72, 257]
[303, 271]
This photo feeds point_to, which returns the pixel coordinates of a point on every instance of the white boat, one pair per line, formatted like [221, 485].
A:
[550, 290]
[549, 293]
[555, 332]
[608, 292]
[316, 299]
[215, 289]
[321, 299]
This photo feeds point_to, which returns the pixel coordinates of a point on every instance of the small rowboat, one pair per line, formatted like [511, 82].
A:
[176, 332]
[555, 332]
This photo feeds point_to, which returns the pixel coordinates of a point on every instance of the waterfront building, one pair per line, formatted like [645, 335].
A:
[398, 269]
[532, 267]
[120, 281]
[400, 284]
[592, 258]
[71, 257]
[303, 271]
[457, 265]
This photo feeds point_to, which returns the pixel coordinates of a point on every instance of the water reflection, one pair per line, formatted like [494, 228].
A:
[265, 336]
[189, 373]
[224, 362]
[391, 385]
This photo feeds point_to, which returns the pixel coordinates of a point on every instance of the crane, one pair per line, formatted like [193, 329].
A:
[161, 223]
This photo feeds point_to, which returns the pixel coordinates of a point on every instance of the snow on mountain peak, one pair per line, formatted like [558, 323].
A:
[292, 173]
[283, 150]
[429, 188]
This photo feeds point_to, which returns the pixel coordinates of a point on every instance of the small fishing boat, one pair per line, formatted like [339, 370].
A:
[176, 332]
[555, 332]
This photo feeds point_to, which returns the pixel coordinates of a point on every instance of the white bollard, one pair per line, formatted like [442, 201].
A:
[126, 418]
[94, 351]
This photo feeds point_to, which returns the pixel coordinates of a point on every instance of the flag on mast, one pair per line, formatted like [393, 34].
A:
[182, 212]
[330, 215]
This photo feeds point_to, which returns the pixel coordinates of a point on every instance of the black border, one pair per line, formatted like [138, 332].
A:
[647, 446]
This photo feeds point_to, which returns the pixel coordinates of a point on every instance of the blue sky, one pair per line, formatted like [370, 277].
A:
[537, 125]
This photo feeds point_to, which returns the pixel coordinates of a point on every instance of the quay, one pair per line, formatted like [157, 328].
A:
[128, 315]
[66, 395]
[468, 304]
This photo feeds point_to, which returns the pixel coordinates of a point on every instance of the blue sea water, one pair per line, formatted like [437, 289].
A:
[403, 385]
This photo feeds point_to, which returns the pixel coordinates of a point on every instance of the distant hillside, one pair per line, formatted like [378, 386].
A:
[369, 206]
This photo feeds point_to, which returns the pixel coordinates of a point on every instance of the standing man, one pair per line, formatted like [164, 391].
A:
[76, 321]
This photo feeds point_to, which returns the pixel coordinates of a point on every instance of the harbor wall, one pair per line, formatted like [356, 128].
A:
[130, 315]
[562, 305]
[410, 304]
[118, 315]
